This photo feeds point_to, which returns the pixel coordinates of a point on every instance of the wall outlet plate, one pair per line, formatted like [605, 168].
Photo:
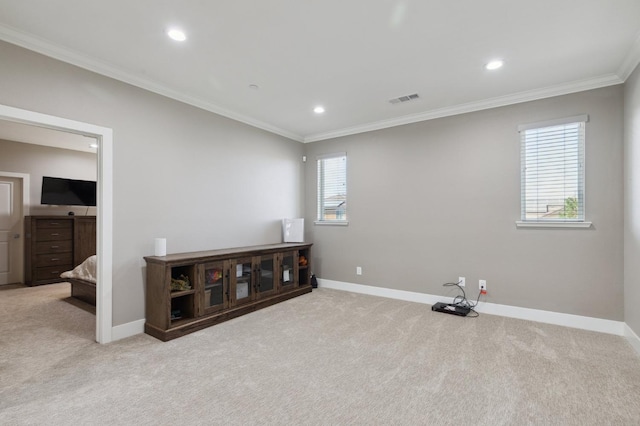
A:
[482, 284]
[461, 281]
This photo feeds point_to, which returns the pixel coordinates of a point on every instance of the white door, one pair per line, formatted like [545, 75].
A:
[10, 230]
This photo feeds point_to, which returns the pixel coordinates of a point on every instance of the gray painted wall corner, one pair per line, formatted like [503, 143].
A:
[632, 202]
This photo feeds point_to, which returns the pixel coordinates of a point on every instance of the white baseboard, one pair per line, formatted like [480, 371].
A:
[548, 317]
[127, 330]
[618, 328]
[390, 293]
[632, 337]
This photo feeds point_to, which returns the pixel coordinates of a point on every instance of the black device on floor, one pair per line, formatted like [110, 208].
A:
[452, 309]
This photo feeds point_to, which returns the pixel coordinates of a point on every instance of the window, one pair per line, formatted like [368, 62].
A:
[332, 189]
[552, 172]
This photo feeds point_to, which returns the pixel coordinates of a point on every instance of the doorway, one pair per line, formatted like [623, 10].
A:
[11, 225]
[104, 302]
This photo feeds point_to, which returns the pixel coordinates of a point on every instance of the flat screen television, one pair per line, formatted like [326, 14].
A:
[68, 192]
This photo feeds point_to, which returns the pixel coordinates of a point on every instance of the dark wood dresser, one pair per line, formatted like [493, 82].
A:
[54, 244]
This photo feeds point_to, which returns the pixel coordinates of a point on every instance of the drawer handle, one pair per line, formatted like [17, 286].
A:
[54, 259]
[55, 234]
[55, 246]
[54, 272]
[54, 223]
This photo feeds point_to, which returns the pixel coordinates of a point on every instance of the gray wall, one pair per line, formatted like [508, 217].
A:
[427, 202]
[435, 200]
[632, 202]
[196, 178]
[38, 161]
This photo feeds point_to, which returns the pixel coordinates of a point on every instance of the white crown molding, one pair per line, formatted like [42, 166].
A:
[516, 98]
[46, 48]
[631, 61]
[537, 315]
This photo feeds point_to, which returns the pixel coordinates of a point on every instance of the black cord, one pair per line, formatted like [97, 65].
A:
[461, 300]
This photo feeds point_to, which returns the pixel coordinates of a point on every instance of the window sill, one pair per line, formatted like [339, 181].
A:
[331, 223]
[522, 224]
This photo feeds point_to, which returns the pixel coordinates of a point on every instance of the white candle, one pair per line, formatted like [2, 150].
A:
[161, 247]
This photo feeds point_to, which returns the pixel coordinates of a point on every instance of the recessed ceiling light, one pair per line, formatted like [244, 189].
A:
[494, 65]
[318, 109]
[177, 35]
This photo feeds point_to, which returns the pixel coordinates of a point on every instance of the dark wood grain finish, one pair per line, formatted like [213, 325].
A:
[83, 290]
[54, 244]
[185, 327]
[212, 255]
[84, 238]
[195, 311]
[157, 299]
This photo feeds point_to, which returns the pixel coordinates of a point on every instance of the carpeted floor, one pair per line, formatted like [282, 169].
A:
[328, 357]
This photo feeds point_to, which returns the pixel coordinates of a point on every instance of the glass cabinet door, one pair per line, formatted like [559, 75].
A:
[242, 279]
[287, 272]
[266, 284]
[216, 294]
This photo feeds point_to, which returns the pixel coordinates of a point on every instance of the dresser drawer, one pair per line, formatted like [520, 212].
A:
[52, 272]
[54, 247]
[55, 244]
[53, 259]
[53, 224]
[54, 234]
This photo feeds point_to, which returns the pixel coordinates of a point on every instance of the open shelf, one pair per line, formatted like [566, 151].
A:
[223, 284]
[182, 307]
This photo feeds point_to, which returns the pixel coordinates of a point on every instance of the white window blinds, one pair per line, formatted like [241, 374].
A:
[332, 188]
[552, 170]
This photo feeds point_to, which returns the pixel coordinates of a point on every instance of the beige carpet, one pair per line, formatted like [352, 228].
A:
[328, 357]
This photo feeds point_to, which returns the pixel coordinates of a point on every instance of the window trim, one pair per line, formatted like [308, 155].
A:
[329, 222]
[550, 223]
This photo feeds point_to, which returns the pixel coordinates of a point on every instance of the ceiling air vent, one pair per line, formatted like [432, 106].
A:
[406, 98]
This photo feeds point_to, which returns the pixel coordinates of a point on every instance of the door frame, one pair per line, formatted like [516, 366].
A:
[104, 243]
[26, 205]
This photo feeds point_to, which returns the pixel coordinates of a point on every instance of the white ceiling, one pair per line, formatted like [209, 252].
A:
[349, 56]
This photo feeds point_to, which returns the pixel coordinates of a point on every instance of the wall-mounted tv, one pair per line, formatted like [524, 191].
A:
[68, 192]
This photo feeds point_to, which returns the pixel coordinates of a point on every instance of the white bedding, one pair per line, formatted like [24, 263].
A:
[84, 271]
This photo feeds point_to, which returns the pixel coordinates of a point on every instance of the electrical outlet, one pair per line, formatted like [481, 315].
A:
[461, 281]
[358, 270]
[483, 285]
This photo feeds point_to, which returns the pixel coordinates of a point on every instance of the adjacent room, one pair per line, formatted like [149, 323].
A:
[470, 158]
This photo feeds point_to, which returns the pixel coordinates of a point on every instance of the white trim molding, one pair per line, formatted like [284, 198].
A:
[127, 330]
[389, 293]
[26, 189]
[631, 61]
[26, 206]
[104, 135]
[582, 118]
[632, 338]
[516, 98]
[87, 62]
[14, 36]
[541, 224]
[548, 317]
